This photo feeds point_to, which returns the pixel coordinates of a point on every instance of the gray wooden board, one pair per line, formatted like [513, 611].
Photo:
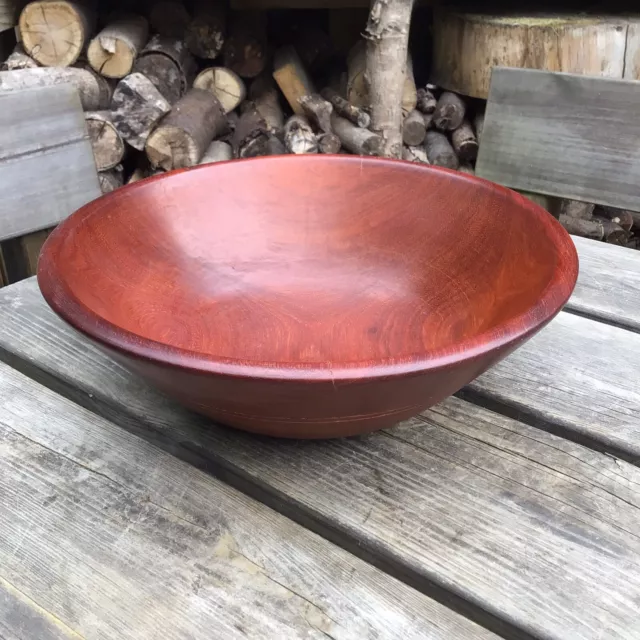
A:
[9, 10]
[536, 532]
[103, 535]
[47, 169]
[608, 285]
[564, 135]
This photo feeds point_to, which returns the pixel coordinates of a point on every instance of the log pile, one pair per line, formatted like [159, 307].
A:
[194, 83]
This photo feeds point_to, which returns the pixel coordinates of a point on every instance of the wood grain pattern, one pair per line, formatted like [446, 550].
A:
[594, 124]
[608, 285]
[140, 545]
[45, 155]
[334, 307]
[532, 534]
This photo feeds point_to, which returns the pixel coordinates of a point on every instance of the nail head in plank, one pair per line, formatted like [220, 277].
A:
[135, 541]
[565, 135]
[538, 536]
[46, 157]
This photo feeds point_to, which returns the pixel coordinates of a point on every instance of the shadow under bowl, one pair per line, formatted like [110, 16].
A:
[309, 297]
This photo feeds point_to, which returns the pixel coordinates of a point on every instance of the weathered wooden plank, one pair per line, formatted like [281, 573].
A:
[608, 286]
[533, 534]
[565, 135]
[104, 535]
[46, 157]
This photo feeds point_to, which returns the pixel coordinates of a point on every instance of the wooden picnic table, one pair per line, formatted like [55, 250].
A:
[511, 510]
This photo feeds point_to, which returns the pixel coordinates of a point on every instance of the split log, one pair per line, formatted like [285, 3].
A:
[186, 132]
[299, 137]
[54, 32]
[292, 78]
[439, 151]
[113, 51]
[266, 99]
[217, 151]
[206, 31]
[426, 101]
[357, 91]
[167, 62]
[169, 18]
[111, 180]
[18, 60]
[414, 130]
[345, 109]
[137, 107]
[589, 45]
[450, 112]
[245, 49]
[415, 154]
[319, 110]
[465, 143]
[94, 95]
[329, 143]
[586, 228]
[106, 143]
[226, 85]
[359, 141]
[576, 209]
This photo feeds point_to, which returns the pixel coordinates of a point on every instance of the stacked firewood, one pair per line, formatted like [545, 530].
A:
[179, 87]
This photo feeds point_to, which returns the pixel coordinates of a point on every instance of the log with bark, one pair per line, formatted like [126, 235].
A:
[292, 78]
[54, 32]
[318, 110]
[465, 143]
[576, 209]
[245, 48]
[355, 139]
[439, 150]
[226, 85]
[106, 143]
[426, 101]
[580, 227]
[450, 111]
[167, 62]
[113, 51]
[93, 91]
[345, 109]
[137, 107]
[265, 98]
[329, 143]
[626, 219]
[186, 132]
[299, 137]
[252, 136]
[206, 31]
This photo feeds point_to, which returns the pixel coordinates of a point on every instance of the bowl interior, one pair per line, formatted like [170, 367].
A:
[310, 261]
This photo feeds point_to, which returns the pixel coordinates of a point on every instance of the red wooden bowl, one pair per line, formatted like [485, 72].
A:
[309, 297]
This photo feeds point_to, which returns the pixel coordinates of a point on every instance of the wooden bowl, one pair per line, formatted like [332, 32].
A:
[309, 297]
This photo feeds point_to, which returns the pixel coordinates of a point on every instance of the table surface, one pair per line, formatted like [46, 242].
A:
[511, 510]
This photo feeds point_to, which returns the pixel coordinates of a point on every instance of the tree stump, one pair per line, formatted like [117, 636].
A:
[54, 32]
[572, 43]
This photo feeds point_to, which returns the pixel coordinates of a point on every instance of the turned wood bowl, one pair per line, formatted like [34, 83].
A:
[309, 297]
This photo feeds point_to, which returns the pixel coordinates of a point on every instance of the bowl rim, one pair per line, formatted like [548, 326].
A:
[517, 329]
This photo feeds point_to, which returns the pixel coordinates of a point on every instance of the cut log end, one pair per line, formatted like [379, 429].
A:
[414, 130]
[449, 113]
[299, 137]
[225, 84]
[106, 143]
[53, 32]
[465, 142]
[439, 151]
